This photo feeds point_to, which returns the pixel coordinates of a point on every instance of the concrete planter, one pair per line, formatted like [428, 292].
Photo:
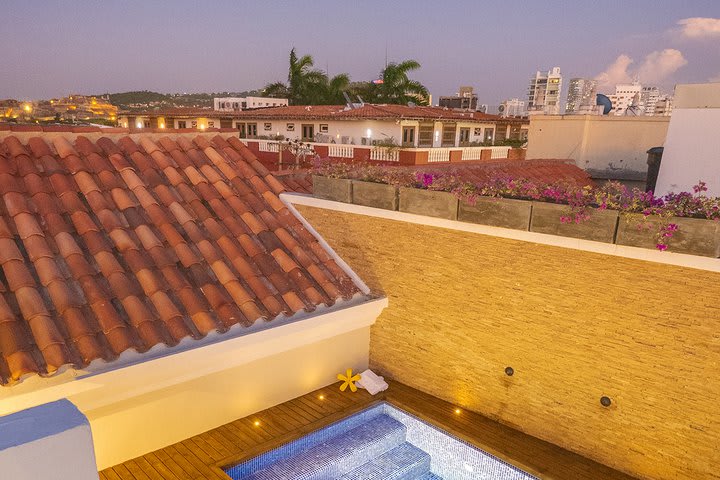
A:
[427, 202]
[695, 236]
[497, 212]
[378, 195]
[600, 227]
[338, 189]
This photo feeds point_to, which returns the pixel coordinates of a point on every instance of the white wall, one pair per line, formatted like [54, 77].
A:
[354, 129]
[692, 148]
[136, 408]
[605, 146]
[50, 441]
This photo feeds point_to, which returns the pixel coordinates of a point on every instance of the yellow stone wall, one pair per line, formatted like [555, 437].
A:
[574, 326]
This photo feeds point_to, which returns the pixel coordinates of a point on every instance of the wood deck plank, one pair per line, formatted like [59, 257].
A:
[198, 457]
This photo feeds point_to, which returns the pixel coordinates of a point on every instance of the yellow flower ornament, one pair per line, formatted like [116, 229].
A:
[348, 379]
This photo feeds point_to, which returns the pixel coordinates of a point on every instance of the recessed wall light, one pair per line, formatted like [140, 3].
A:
[509, 371]
[605, 401]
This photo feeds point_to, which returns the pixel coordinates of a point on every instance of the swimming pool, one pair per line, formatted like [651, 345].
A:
[380, 442]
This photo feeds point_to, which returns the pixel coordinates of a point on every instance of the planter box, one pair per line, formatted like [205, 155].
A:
[378, 195]
[338, 189]
[600, 227]
[695, 236]
[498, 212]
[427, 202]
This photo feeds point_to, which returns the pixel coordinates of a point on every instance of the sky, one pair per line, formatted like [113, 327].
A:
[53, 48]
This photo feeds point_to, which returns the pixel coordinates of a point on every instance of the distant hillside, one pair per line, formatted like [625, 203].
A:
[144, 99]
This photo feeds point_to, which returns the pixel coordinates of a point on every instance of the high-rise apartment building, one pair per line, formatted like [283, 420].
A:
[649, 97]
[544, 92]
[465, 99]
[581, 95]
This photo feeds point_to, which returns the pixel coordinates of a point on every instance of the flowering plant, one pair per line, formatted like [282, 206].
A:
[581, 199]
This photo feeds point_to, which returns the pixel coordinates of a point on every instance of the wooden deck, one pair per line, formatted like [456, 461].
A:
[201, 456]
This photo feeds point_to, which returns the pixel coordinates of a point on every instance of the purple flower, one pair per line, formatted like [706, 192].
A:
[661, 246]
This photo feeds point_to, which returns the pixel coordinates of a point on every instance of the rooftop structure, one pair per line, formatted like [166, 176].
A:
[465, 99]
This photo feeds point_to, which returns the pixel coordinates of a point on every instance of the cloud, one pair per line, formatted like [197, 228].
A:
[616, 73]
[659, 65]
[700, 27]
[655, 68]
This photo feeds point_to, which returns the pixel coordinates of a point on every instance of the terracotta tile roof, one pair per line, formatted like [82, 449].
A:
[339, 112]
[113, 246]
[298, 181]
[541, 171]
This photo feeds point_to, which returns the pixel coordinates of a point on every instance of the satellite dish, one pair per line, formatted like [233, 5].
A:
[501, 108]
[605, 102]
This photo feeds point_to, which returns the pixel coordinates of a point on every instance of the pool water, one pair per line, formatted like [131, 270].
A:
[380, 442]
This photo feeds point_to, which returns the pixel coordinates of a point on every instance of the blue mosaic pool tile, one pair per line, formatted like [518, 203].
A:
[329, 452]
[337, 455]
[403, 462]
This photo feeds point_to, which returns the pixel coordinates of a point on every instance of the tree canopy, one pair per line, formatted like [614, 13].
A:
[309, 86]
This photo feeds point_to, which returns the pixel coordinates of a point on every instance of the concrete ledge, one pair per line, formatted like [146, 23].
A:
[497, 212]
[650, 255]
[600, 227]
[428, 202]
[378, 195]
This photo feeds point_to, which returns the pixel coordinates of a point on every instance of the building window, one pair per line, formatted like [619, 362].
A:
[425, 135]
[146, 123]
[408, 136]
[489, 135]
[267, 126]
[464, 137]
[324, 128]
[211, 124]
[251, 130]
[290, 127]
[193, 124]
[448, 135]
[308, 132]
[182, 124]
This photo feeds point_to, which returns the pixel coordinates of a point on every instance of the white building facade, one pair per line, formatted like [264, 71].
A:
[236, 104]
[544, 92]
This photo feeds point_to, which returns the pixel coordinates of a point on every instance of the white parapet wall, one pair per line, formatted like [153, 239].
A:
[141, 406]
[692, 148]
[50, 441]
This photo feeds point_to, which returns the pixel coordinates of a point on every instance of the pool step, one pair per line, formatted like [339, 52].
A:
[338, 455]
[404, 462]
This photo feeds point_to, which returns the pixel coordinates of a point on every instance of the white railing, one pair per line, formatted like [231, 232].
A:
[438, 155]
[475, 153]
[384, 154]
[499, 152]
[268, 146]
[341, 151]
[472, 153]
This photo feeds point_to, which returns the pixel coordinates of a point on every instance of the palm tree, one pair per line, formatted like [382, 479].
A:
[335, 88]
[397, 87]
[308, 86]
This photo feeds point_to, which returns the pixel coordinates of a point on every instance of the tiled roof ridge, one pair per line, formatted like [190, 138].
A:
[22, 127]
[111, 246]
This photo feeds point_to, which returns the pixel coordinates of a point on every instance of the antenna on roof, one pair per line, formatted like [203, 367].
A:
[362, 102]
[348, 102]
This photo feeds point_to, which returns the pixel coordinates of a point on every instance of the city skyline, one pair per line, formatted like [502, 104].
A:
[53, 50]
